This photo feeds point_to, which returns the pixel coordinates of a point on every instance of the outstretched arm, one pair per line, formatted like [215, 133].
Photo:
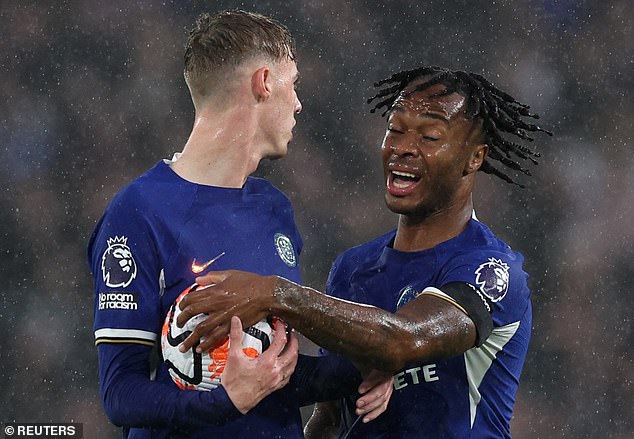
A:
[426, 328]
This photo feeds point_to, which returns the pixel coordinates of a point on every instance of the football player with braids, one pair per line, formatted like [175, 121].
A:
[440, 302]
[179, 217]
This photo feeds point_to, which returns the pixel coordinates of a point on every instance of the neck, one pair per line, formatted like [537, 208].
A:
[220, 150]
[422, 233]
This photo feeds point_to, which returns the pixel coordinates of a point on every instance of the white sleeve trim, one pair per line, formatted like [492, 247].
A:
[125, 333]
[438, 292]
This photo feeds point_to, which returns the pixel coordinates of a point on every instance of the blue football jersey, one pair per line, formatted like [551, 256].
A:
[156, 236]
[467, 396]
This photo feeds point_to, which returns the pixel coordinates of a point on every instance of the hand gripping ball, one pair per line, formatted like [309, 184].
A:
[191, 370]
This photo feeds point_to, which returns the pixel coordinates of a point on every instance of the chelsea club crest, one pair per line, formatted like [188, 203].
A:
[493, 279]
[285, 249]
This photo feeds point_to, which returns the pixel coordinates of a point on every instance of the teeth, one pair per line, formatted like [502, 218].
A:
[401, 185]
[403, 174]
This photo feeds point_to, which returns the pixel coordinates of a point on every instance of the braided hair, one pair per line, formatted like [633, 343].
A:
[498, 111]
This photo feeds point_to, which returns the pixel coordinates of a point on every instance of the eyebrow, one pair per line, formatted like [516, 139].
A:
[400, 109]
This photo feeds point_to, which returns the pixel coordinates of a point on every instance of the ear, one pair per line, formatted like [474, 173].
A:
[476, 158]
[260, 84]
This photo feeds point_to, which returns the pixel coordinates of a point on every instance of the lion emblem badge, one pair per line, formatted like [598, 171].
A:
[117, 263]
[493, 279]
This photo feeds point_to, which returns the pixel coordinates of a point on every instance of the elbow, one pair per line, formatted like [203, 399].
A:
[399, 350]
[113, 408]
[115, 416]
[393, 360]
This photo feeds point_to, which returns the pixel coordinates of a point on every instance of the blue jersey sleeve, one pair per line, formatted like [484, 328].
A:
[496, 277]
[131, 399]
[126, 271]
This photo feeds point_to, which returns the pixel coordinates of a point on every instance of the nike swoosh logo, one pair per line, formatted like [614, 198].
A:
[200, 268]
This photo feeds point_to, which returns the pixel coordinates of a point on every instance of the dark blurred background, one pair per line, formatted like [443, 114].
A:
[92, 95]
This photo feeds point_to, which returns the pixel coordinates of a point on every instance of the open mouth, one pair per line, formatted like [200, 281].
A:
[401, 183]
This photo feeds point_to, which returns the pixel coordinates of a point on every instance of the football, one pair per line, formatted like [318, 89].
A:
[203, 371]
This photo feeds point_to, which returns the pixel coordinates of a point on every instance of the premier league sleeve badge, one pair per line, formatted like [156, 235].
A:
[493, 279]
[117, 263]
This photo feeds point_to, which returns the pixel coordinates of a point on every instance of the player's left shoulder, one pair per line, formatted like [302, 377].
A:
[261, 186]
[487, 263]
[482, 242]
[256, 186]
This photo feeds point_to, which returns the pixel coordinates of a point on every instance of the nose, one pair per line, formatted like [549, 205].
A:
[298, 105]
[403, 147]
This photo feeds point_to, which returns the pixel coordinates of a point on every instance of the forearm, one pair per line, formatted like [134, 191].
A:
[137, 401]
[370, 336]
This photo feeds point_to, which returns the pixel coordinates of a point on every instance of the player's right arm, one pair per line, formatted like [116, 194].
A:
[425, 329]
[126, 266]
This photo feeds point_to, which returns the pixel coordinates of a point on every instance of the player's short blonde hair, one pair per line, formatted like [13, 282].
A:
[219, 43]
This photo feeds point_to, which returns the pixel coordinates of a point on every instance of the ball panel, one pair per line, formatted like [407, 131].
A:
[190, 370]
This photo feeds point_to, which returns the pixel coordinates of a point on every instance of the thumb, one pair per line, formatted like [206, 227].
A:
[374, 377]
[213, 277]
[235, 336]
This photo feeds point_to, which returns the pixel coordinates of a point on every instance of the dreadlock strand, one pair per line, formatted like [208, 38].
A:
[439, 78]
[519, 150]
[506, 122]
[496, 153]
[400, 76]
[385, 103]
[513, 114]
[385, 92]
[503, 95]
[487, 168]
